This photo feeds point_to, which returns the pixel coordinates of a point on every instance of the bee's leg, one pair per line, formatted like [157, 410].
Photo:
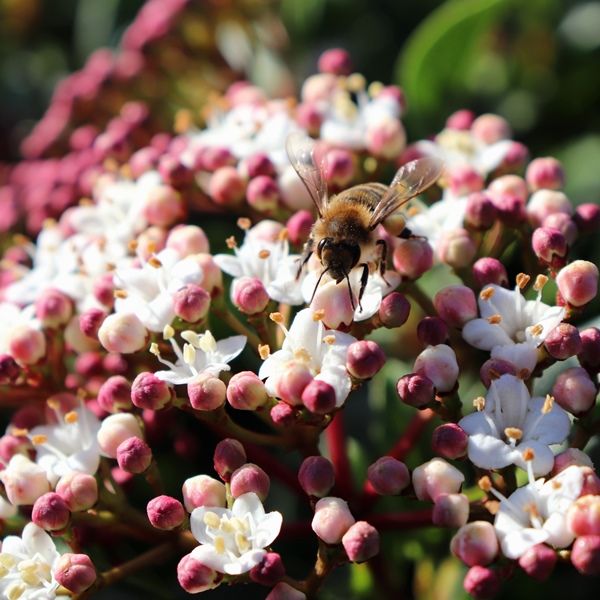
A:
[363, 282]
[306, 254]
[351, 294]
[382, 259]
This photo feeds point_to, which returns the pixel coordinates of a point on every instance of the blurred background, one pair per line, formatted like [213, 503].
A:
[537, 63]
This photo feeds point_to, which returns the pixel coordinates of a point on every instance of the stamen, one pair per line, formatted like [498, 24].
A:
[479, 403]
[283, 235]
[208, 343]
[264, 351]
[522, 280]
[132, 245]
[154, 349]
[264, 254]
[219, 544]
[355, 82]
[494, 319]
[523, 374]
[485, 484]
[276, 317]
[486, 293]
[241, 541]
[370, 164]
[189, 354]
[513, 433]
[53, 404]
[244, 223]
[120, 294]
[548, 404]
[375, 88]
[191, 337]
[231, 242]
[494, 374]
[329, 339]
[168, 332]
[211, 519]
[318, 315]
[536, 330]
[39, 439]
[151, 247]
[540, 282]
[154, 262]
[71, 417]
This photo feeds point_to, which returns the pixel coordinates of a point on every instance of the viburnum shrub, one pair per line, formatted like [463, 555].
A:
[125, 337]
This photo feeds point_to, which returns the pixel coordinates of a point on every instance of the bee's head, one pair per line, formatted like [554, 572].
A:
[339, 258]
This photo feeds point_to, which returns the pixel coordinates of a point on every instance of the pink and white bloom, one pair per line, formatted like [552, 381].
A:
[510, 422]
[321, 350]
[510, 327]
[232, 541]
[536, 513]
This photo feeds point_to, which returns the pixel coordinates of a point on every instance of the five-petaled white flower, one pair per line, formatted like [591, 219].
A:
[511, 327]
[321, 350]
[536, 513]
[232, 541]
[510, 422]
[26, 566]
[200, 354]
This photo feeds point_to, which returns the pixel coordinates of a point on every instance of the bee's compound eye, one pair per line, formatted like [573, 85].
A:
[322, 245]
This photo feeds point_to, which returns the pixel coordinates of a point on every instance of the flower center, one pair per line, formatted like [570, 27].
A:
[231, 535]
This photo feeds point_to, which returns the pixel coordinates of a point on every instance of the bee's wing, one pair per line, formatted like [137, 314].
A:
[410, 180]
[301, 152]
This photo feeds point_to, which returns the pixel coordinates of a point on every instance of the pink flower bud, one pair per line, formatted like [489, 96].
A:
[415, 390]
[480, 211]
[123, 333]
[456, 304]
[493, 368]
[26, 345]
[386, 138]
[226, 187]
[544, 203]
[319, 87]
[202, 490]
[213, 158]
[150, 241]
[490, 128]
[574, 390]
[53, 308]
[174, 172]
[50, 512]
[165, 512]
[589, 356]
[78, 490]
[316, 476]
[246, 391]
[164, 206]
[583, 516]
[510, 209]
[338, 167]
[104, 289]
[249, 295]
[194, 577]
[394, 310]
[191, 303]
[438, 363]
[269, 571]
[585, 555]
[336, 61]
[571, 456]
[24, 481]
[206, 392]
[212, 274]
[9, 369]
[481, 583]
[90, 321]
[257, 164]
[413, 257]
[475, 543]
[489, 270]
[292, 383]
[364, 359]
[310, 117]
[436, 477]
[361, 542]
[319, 397]
[143, 160]
[334, 300]
[450, 510]
[115, 394]
[464, 179]
[449, 441]
[578, 282]
[563, 341]
[284, 591]
[114, 430]
[262, 193]
[250, 478]
[388, 476]
[591, 481]
[538, 562]
[461, 120]
[564, 224]
[332, 519]
[75, 572]
[549, 246]
[299, 226]
[432, 331]
[134, 455]
[515, 158]
[545, 173]
[229, 456]
[587, 217]
[282, 414]
[187, 240]
[148, 391]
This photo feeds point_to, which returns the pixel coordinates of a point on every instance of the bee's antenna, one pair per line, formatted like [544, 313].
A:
[350, 292]
[317, 284]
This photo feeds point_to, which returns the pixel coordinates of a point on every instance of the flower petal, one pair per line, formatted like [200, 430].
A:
[489, 452]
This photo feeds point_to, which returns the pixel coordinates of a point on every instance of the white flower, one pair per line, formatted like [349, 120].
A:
[511, 422]
[536, 513]
[457, 147]
[13, 317]
[267, 259]
[201, 354]
[321, 350]
[149, 291]
[68, 445]
[26, 564]
[511, 327]
[233, 541]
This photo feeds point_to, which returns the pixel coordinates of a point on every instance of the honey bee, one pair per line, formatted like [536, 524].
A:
[343, 236]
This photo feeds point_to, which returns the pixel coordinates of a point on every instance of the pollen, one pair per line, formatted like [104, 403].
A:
[375, 89]
[487, 293]
[242, 543]
[219, 544]
[494, 319]
[548, 404]
[211, 519]
[38, 440]
[522, 280]
[370, 164]
[231, 242]
[329, 339]
[244, 223]
[556, 484]
[355, 82]
[513, 433]
[154, 349]
[154, 262]
[71, 417]
[183, 120]
[302, 354]
[283, 235]
[540, 282]
[528, 454]
[191, 337]
[19, 431]
[168, 332]
[53, 404]
[318, 315]
[264, 351]
[276, 317]
[479, 403]
[151, 247]
[536, 330]
[120, 294]
[189, 354]
[485, 484]
[85, 202]
[207, 342]
[264, 254]
[132, 245]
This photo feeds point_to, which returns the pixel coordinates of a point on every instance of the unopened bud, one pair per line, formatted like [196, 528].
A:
[150, 392]
[394, 310]
[269, 571]
[480, 212]
[589, 356]
[489, 270]
[338, 167]
[413, 257]
[163, 206]
[364, 359]
[282, 414]
[574, 390]
[75, 572]
[450, 510]
[115, 394]
[481, 582]
[583, 516]
[416, 390]
[249, 295]
[250, 478]
[206, 392]
[436, 477]
[246, 391]
[263, 193]
[336, 61]
[229, 456]
[9, 369]
[123, 333]
[187, 240]
[202, 490]
[438, 364]
[26, 344]
[578, 282]
[456, 305]
[165, 512]
[319, 397]
[388, 476]
[50, 512]
[545, 173]
[585, 555]
[332, 519]
[134, 455]
[549, 246]
[493, 369]
[194, 577]
[563, 341]
[475, 543]
[316, 476]
[53, 308]
[490, 128]
[361, 542]
[78, 490]
[432, 331]
[191, 303]
[114, 430]
[226, 186]
[587, 217]
[449, 441]
[299, 226]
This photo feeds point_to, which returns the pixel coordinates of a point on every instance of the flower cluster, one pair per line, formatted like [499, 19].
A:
[123, 338]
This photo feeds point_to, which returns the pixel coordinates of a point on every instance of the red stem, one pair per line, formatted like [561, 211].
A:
[336, 442]
[404, 520]
[274, 468]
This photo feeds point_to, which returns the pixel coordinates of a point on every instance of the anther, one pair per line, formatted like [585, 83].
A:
[244, 223]
[513, 433]
[154, 349]
[318, 315]
[120, 294]
[494, 319]
[548, 404]
[479, 403]
[486, 293]
[71, 417]
[540, 282]
[231, 243]
[329, 339]
[154, 262]
[522, 280]
[264, 351]
[276, 317]
[39, 439]
[485, 484]
[264, 254]
[168, 332]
